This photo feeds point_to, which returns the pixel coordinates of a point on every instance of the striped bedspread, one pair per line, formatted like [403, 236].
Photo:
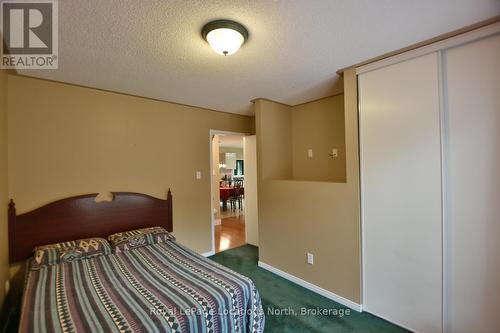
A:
[163, 287]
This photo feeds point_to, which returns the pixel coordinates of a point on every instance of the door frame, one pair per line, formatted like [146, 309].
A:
[211, 133]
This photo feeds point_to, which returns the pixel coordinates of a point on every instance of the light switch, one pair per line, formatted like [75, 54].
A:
[198, 174]
[310, 153]
[310, 258]
[335, 153]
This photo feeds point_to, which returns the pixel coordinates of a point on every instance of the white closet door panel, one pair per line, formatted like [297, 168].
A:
[401, 193]
[473, 187]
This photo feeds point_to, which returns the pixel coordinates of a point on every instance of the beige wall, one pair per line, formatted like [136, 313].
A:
[251, 202]
[275, 126]
[290, 131]
[66, 140]
[4, 254]
[296, 217]
[319, 126]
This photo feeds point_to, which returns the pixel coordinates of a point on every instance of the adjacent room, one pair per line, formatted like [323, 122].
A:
[241, 166]
[229, 183]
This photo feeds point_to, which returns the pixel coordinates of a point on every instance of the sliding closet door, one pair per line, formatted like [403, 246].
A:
[401, 193]
[472, 202]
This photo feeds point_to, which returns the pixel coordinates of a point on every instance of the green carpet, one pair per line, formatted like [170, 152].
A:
[278, 293]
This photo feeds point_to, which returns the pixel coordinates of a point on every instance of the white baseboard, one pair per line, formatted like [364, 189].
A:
[208, 254]
[323, 292]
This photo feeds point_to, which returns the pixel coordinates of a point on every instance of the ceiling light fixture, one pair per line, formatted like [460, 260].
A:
[224, 36]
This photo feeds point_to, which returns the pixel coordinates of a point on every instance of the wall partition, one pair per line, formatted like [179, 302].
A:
[430, 161]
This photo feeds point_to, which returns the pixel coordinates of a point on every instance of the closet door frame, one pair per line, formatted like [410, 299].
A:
[442, 45]
[439, 47]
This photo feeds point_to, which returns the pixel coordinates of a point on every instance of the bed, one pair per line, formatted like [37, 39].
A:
[160, 287]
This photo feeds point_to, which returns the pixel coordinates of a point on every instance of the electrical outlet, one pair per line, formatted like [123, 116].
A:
[198, 174]
[310, 153]
[310, 258]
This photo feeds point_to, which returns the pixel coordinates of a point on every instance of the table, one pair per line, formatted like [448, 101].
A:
[226, 193]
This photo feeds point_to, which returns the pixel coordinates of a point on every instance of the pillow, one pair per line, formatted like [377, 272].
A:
[124, 241]
[52, 254]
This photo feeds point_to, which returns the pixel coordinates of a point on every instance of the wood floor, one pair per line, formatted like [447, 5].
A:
[230, 233]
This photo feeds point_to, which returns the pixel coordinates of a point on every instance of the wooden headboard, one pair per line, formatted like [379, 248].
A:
[81, 217]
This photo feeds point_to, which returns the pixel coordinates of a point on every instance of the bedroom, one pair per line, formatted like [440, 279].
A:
[134, 77]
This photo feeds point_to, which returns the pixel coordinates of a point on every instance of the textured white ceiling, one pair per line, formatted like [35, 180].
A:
[154, 48]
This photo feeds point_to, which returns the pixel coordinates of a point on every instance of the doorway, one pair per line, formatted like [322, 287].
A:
[234, 190]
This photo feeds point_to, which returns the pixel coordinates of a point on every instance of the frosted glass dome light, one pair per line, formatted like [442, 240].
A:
[224, 36]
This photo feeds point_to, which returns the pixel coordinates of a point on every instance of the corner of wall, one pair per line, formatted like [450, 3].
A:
[273, 126]
[319, 127]
[299, 217]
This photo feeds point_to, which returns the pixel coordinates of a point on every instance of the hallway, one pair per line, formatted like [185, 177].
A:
[230, 233]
